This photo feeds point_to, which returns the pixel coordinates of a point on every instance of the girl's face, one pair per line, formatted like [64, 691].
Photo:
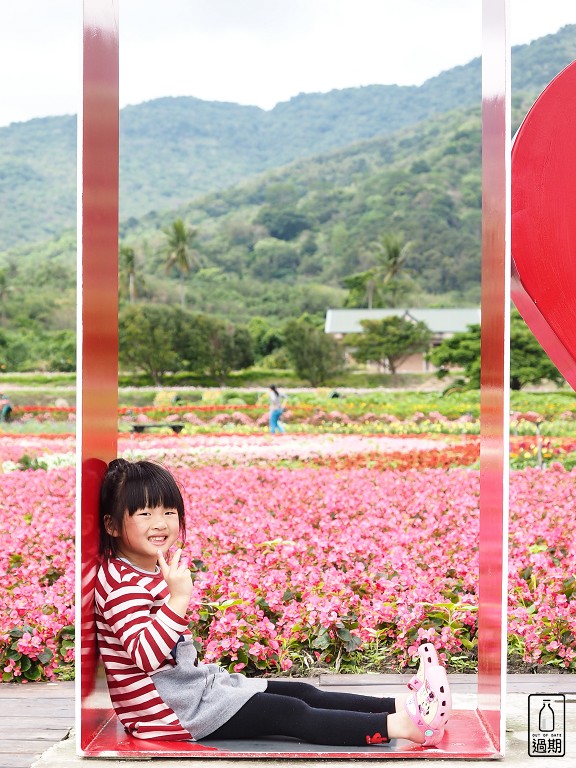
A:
[144, 533]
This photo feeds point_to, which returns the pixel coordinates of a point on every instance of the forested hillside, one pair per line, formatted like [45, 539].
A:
[282, 244]
[298, 238]
[176, 149]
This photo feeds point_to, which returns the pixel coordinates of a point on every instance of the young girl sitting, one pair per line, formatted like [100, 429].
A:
[158, 687]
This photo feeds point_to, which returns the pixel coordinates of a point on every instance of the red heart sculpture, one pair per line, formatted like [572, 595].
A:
[544, 221]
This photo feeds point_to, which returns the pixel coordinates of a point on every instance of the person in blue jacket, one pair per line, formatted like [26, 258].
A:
[5, 408]
[275, 410]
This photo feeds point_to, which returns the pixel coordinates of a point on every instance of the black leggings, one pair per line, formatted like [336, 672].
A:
[304, 712]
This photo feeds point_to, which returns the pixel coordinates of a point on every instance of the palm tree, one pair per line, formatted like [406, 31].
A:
[179, 253]
[386, 280]
[389, 273]
[361, 286]
[128, 266]
[5, 290]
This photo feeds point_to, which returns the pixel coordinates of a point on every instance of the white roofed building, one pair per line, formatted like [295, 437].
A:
[442, 322]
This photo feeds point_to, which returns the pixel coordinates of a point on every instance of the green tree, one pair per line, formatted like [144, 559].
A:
[147, 335]
[361, 287]
[273, 259]
[19, 349]
[127, 263]
[5, 290]
[386, 283]
[391, 255]
[5, 362]
[282, 223]
[179, 252]
[316, 357]
[390, 341]
[460, 351]
[242, 349]
[229, 348]
[35, 349]
[191, 333]
[529, 364]
[265, 338]
[60, 350]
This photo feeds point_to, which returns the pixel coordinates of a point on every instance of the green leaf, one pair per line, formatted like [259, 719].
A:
[46, 656]
[344, 634]
[536, 548]
[351, 642]
[569, 587]
[227, 604]
[322, 642]
[34, 673]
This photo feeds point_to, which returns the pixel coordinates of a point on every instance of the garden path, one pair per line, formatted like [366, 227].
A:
[34, 716]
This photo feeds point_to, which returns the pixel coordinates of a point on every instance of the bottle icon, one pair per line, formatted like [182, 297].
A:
[546, 717]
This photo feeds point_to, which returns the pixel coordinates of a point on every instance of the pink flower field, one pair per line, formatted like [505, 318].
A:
[298, 567]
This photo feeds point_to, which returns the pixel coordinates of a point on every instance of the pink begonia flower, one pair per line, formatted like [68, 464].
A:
[256, 649]
[29, 645]
[302, 548]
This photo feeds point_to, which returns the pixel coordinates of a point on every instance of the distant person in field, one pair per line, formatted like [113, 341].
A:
[159, 688]
[276, 410]
[5, 408]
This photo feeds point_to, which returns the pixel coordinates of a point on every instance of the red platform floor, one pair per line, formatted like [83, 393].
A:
[465, 737]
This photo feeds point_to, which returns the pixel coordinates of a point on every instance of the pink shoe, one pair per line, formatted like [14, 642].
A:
[428, 658]
[431, 705]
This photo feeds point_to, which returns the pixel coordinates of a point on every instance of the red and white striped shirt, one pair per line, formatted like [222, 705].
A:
[136, 632]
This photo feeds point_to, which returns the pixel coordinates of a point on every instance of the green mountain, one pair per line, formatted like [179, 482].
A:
[278, 242]
[281, 244]
[175, 149]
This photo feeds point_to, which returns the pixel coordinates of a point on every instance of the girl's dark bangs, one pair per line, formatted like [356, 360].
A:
[154, 492]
